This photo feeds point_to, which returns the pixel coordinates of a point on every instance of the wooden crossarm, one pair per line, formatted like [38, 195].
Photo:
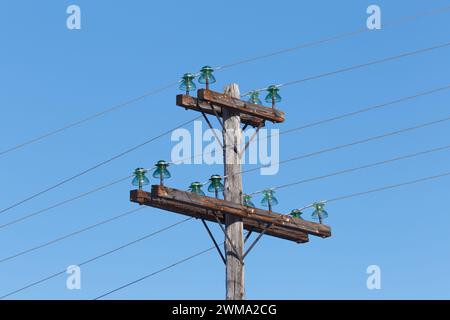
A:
[255, 219]
[195, 104]
[254, 110]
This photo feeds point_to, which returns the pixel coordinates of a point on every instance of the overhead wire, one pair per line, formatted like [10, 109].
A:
[157, 272]
[219, 68]
[358, 168]
[94, 258]
[69, 235]
[393, 186]
[303, 156]
[337, 117]
[354, 143]
[285, 84]
[86, 119]
[165, 133]
[115, 157]
[61, 203]
[355, 67]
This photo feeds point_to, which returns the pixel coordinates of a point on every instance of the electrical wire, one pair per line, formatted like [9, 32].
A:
[321, 177]
[94, 258]
[364, 110]
[445, 174]
[340, 172]
[354, 143]
[349, 170]
[392, 186]
[337, 37]
[202, 252]
[157, 272]
[219, 68]
[86, 119]
[95, 167]
[56, 240]
[424, 179]
[355, 67]
[165, 133]
[378, 137]
[339, 117]
[82, 195]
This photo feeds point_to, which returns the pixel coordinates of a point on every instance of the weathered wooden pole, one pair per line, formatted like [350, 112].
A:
[233, 192]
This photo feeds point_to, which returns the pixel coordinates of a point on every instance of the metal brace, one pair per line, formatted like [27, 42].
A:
[217, 116]
[212, 129]
[257, 239]
[215, 242]
[251, 140]
[229, 240]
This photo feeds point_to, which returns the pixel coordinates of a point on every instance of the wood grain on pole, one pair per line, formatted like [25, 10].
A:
[235, 289]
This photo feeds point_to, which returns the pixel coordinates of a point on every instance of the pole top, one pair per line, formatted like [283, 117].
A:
[232, 90]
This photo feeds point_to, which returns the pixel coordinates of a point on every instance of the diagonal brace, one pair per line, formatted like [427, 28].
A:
[241, 259]
[214, 241]
[257, 239]
[250, 140]
[248, 236]
[218, 117]
[212, 129]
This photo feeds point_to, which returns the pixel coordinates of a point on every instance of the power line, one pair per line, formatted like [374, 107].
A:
[46, 244]
[223, 67]
[331, 200]
[95, 167]
[336, 173]
[428, 178]
[364, 110]
[342, 116]
[283, 161]
[94, 258]
[273, 188]
[366, 166]
[157, 272]
[88, 118]
[303, 156]
[84, 194]
[392, 186]
[359, 66]
[163, 134]
[357, 142]
[336, 37]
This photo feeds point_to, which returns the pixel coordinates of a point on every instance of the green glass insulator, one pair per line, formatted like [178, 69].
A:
[254, 98]
[216, 183]
[296, 213]
[273, 95]
[140, 179]
[161, 170]
[248, 201]
[319, 212]
[269, 198]
[206, 75]
[196, 187]
[187, 84]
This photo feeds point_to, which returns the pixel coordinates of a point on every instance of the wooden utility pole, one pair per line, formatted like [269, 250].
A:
[233, 193]
[230, 213]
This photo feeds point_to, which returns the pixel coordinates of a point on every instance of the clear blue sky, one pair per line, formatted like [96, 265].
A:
[51, 76]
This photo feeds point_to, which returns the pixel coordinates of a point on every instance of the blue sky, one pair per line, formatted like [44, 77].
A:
[52, 76]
